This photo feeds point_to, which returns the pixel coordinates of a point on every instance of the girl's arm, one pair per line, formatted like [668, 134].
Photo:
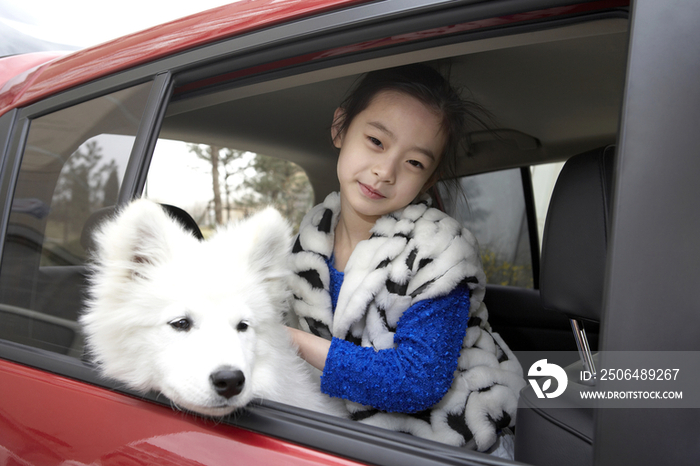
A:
[312, 348]
[416, 373]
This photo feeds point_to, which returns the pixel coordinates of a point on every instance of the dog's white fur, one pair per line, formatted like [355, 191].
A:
[149, 274]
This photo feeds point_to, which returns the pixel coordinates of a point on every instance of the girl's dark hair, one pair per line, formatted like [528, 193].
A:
[429, 87]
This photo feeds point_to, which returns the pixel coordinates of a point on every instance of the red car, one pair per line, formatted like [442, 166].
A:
[103, 125]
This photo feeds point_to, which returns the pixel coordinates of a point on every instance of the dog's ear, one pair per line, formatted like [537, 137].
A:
[271, 235]
[138, 238]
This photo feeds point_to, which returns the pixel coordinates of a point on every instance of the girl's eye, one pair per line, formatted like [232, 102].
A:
[416, 163]
[182, 324]
[242, 326]
[375, 141]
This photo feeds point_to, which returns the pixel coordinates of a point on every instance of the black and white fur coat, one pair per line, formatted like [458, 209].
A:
[415, 253]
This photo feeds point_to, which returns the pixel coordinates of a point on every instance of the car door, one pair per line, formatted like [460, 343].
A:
[58, 406]
[66, 159]
[651, 299]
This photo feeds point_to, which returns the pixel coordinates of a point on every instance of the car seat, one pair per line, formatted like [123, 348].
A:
[574, 250]
[99, 216]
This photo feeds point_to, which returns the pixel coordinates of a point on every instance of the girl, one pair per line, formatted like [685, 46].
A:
[388, 291]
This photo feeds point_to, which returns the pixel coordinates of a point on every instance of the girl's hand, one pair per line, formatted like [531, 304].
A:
[312, 348]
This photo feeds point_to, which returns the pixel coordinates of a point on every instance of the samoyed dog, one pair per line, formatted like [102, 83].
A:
[199, 321]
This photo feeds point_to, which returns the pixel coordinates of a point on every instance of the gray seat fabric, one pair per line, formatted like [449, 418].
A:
[572, 275]
[575, 238]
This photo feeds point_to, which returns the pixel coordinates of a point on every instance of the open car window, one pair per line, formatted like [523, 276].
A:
[216, 185]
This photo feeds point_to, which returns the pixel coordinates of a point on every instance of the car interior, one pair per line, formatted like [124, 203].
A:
[554, 91]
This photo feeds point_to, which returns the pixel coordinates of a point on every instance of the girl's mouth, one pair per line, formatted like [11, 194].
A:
[369, 192]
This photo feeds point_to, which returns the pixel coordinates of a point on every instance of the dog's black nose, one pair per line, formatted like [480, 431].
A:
[227, 382]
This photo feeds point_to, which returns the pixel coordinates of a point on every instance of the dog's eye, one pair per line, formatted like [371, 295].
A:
[242, 326]
[183, 324]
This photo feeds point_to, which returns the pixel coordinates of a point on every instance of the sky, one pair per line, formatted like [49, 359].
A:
[82, 23]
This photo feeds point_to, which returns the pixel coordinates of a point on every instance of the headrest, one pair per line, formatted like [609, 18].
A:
[185, 220]
[575, 242]
[99, 216]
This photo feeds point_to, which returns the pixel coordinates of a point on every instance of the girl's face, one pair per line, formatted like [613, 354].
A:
[387, 155]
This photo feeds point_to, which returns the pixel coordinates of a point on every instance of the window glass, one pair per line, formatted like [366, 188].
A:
[73, 164]
[216, 184]
[543, 179]
[492, 207]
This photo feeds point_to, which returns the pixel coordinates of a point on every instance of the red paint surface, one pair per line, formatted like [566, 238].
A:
[158, 42]
[47, 419]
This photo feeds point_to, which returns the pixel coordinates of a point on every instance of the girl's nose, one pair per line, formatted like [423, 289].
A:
[385, 170]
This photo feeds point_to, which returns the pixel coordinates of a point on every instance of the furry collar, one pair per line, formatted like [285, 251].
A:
[415, 253]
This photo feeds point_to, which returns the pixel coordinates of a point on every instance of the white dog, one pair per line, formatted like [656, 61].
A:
[199, 321]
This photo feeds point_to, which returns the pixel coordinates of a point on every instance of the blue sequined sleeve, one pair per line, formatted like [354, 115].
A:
[417, 372]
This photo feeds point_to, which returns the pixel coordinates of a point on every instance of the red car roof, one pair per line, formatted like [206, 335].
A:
[24, 79]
